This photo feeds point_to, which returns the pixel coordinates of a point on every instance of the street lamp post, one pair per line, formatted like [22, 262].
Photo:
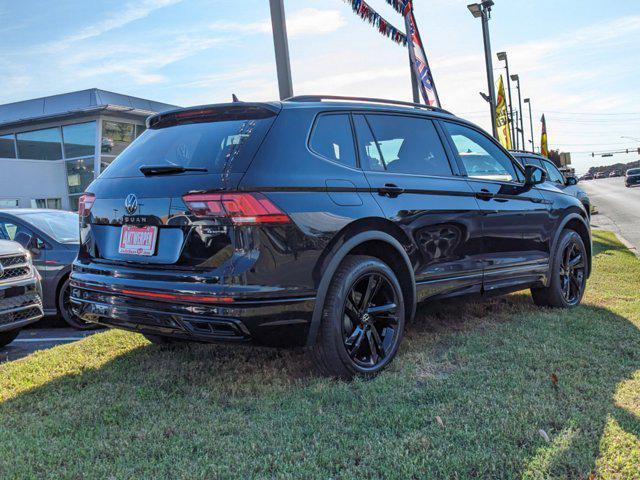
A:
[516, 78]
[533, 143]
[515, 123]
[281, 46]
[503, 57]
[483, 11]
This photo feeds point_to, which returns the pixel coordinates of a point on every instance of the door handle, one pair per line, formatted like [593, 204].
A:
[484, 194]
[390, 190]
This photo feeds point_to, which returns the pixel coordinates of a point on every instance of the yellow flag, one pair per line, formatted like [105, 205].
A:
[502, 117]
[544, 148]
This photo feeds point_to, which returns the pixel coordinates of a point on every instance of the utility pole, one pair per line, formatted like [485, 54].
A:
[516, 78]
[483, 11]
[533, 143]
[503, 56]
[281, 47]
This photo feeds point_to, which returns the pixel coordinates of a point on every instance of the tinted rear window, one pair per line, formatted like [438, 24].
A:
[633, 171]
[220, 146]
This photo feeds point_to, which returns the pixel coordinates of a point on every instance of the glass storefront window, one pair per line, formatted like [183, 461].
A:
[79, 174]
[7, 147]
[52, 203]
[140, 129]
[79, 139]
[40, 144]
[8, 203]
[105, 162]
[116, 136]
[73, 202]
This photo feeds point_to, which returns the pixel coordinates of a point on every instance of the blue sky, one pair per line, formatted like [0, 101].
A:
[578, 60]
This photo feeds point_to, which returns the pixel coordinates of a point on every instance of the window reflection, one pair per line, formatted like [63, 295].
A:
[40, 144]
[7, 147]
[116, 136]
[79, 174]
[79, 139]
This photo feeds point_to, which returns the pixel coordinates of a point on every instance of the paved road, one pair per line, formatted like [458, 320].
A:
[618, 207]
[33, 339]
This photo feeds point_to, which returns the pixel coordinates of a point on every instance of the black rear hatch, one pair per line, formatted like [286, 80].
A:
[201, 149]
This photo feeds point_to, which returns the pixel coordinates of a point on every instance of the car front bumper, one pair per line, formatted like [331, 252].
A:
[20, 302]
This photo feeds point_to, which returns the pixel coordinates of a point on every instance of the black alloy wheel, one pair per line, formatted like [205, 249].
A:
[572, 273]
[568, 277]
[362, 321]
[370, 320]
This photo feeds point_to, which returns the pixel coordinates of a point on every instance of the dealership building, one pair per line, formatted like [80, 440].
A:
[51, 148]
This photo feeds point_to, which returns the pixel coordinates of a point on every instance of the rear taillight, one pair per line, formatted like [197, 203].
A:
[85, 202]
[240, 208]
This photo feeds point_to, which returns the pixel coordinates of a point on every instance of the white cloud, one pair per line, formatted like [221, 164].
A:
[130, 12]
[308, 21]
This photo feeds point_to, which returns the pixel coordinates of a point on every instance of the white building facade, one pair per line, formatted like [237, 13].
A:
[51, 148]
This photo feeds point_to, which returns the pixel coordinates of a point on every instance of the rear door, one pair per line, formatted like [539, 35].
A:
[420, 190]
[515, 218]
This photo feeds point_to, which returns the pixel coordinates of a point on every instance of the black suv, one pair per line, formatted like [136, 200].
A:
[317, 222]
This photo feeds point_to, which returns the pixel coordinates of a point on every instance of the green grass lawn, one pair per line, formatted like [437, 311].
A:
[469, 396]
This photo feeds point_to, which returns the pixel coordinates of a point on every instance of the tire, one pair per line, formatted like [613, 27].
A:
[7, 337]
[566, 286]
[359, 336]
[64, 310]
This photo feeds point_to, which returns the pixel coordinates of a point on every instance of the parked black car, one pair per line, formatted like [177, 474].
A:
[20, 292]
[317, 223]
[555, 177]
[632, 177]
[51, 237]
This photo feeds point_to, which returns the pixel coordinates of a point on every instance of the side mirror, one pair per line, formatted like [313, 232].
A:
[534, 175]
[570, 181]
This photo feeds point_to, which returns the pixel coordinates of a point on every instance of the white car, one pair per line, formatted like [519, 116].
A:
[20, 291]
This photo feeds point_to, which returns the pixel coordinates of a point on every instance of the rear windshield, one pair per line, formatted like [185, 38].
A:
[633, 171]
[220, 146]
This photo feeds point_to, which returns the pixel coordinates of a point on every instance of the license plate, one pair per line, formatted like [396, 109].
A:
[138, 240]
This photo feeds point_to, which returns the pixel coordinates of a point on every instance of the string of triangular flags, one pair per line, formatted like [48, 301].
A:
[412, 39]
[368, 14]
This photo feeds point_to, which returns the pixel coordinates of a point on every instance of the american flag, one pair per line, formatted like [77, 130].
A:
[419, 57]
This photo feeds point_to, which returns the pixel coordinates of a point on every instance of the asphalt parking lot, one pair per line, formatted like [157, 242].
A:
[35, 338]
[618, 207]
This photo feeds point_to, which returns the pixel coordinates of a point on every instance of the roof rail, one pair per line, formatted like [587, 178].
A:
[319, 98]
[515, 150]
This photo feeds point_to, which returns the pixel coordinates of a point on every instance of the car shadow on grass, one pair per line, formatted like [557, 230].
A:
[493, 389]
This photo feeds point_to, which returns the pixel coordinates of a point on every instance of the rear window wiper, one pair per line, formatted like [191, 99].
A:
[150, 170]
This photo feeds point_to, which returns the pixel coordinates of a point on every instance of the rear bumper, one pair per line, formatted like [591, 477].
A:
[20, 303]
[272, 322]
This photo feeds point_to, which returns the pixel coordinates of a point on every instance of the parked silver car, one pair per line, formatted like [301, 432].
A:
[20, 291]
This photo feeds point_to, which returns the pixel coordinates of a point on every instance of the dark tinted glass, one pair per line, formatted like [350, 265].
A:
[40, 144]
[116, 136]
[409, 145]
[370, 157]
[534, 161]
[332, 138]
[7, 147]
[79, 174]
[79, 140]
[554, 174]
[224, 146]
[481, 157]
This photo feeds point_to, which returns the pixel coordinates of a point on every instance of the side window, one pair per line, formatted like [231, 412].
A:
[534, 161]
[332, 138]
[480, 156]
[400, 144]
[554, 174]
[370, 156]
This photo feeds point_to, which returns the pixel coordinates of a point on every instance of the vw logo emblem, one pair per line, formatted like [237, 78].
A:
[131, 203]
